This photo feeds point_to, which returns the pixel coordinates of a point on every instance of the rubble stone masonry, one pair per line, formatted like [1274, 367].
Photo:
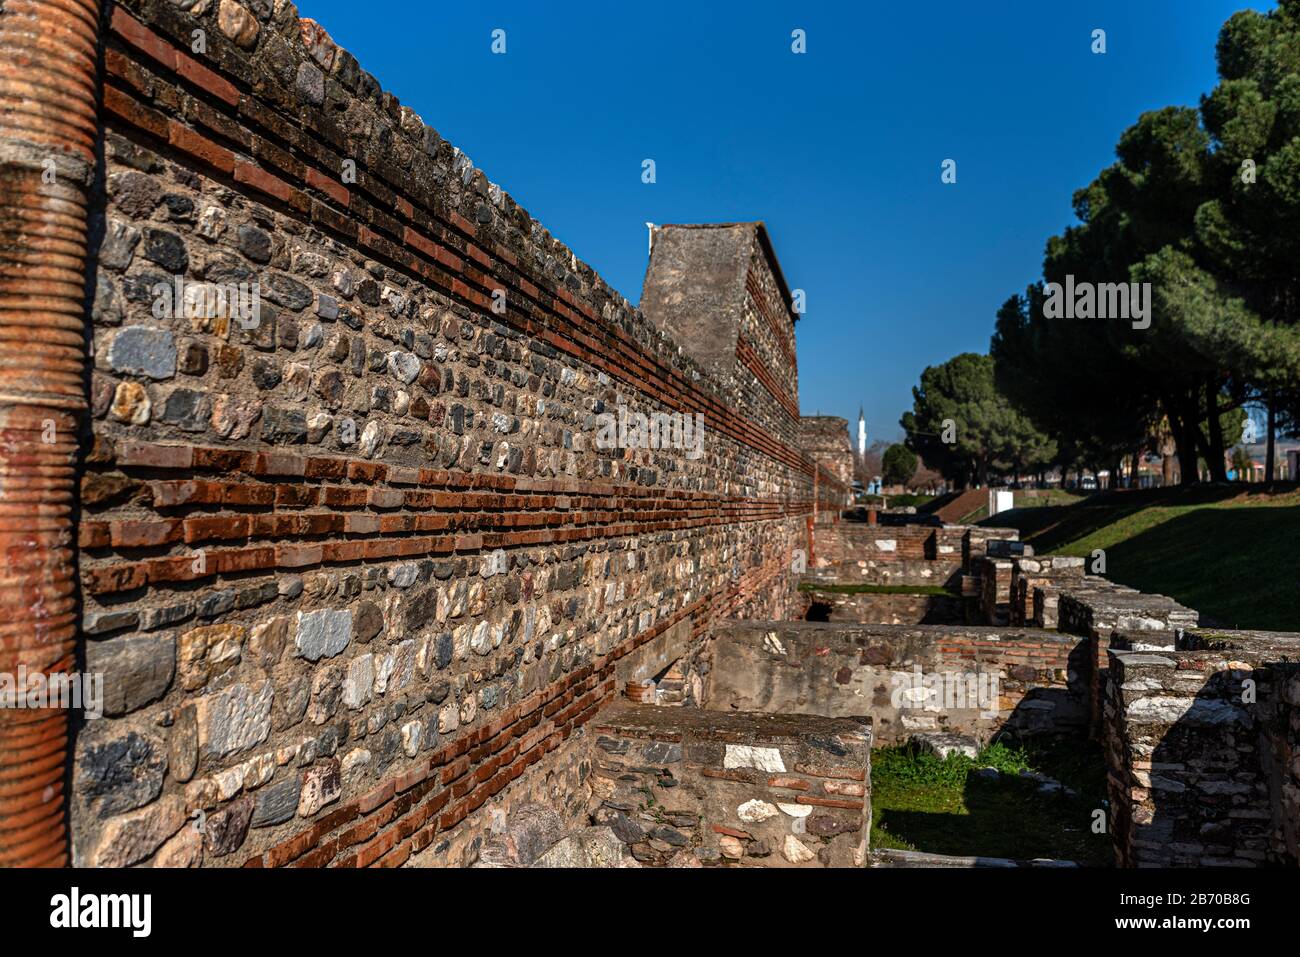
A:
[1202, 753]
[355, 565]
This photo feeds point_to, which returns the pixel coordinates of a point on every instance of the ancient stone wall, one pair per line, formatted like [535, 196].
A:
[888, 673]
[1201, 743]
[861, 553]
[1098, 610]
[885, 608]
[353, 563]
[768, 790]
[826, 439]
[1028, 574]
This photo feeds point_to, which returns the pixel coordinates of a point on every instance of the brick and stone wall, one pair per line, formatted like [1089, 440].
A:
[880, 671]
[1097, 610]
[885, 608]
[769, 790]
[860, 553]
[1030, 574]
[1201, 747]
[358, 564]
[826, 440]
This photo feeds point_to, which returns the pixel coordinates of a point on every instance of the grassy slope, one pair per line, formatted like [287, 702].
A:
[1227, 553]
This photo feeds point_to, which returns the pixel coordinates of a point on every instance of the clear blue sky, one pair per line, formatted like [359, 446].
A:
[838, 150]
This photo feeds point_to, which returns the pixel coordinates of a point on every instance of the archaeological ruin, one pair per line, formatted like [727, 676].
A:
[301, 475]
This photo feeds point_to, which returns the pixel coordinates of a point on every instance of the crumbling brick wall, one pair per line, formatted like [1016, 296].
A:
[356, 565]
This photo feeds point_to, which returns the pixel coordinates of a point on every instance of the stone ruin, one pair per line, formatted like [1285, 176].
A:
[366, 585]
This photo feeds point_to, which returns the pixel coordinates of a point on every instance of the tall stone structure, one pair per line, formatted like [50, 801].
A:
[354, 553]
[826, 439]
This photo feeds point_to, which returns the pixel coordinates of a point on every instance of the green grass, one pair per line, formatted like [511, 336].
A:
[1228, 552]
[920, 803]
[865, 589]
[1031, 498]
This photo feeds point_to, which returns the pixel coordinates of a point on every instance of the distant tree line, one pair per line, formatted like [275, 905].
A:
[1204, 206]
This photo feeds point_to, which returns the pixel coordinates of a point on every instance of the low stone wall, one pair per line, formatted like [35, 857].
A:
[975, 540]
[906, 678]
[885, 609]
[861, 553]
[1096, 609]
[1030, 574]
[994, 576]
[1201, 750]
[686, 787]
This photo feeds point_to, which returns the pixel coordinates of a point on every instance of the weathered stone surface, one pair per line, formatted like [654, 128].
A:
[732, 848]
[943, 744]
[118, 248]
[321, 785]
[367, 622]
[167, 249]
[749, 756]
[207, 651]
[183, 744]
[130, 838]
[796, 851]
[238, 24]
[1191, 711]
[131, 404]
[119, 772]
[145, 351]
[360, 682]
[225, 830]
[322, 634]
[590, 847]
[187, 409]
[136, 670]
[403, 366]
[234, 720]
[183, 850]
[267, 641]
[826, 825]
[530, 831]
[311, 83]
[755, 811]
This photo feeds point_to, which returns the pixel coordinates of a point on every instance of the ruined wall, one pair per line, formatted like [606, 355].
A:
[914, 554]
[872, 670]
[861, 553]
[826, 440]
[354, 565]
[1201, 744]
[884, 609]
[690, 787]
[1045, 572]
[1098, 610]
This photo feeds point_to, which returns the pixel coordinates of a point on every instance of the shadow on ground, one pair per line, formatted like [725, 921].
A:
[1225, 552]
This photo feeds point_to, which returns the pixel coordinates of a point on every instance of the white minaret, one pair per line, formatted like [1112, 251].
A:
[862, 435]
